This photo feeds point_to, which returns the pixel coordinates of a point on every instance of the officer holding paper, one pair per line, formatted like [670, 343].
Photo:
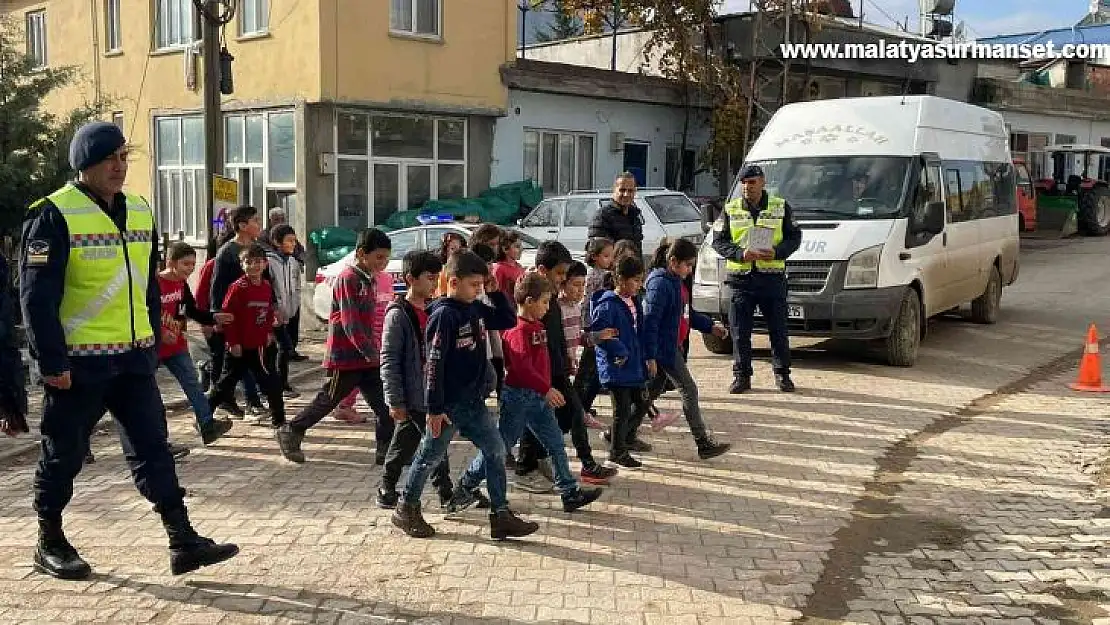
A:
[755, 234]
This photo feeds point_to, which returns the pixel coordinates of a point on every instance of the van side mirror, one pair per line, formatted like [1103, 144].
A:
[933, 223]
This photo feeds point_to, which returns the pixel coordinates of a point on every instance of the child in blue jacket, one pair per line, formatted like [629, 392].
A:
[620, 359]
[665, 309]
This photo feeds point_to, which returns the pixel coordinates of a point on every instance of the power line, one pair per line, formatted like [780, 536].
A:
[887, 15]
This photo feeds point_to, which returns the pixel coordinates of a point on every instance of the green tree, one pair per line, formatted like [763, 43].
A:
[34, 143]
[565, 25]
[683, 47]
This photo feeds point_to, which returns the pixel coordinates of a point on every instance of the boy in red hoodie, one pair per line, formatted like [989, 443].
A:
[250, 336]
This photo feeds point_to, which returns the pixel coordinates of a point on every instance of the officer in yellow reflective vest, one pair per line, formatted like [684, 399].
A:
[756, 268]
[91, 302]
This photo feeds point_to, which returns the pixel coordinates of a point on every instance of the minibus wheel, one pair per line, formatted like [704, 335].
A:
[905, 334]
[985, 308]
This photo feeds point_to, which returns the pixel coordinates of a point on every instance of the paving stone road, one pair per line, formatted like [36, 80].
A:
[964, 490]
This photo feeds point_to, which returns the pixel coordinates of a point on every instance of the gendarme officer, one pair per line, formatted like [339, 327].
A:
[757, 276]
[92, 306]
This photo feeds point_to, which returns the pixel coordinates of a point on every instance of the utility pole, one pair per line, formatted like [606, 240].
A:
[616, 31]
[213, 119]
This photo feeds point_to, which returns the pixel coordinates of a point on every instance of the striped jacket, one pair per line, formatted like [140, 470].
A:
[354, 336]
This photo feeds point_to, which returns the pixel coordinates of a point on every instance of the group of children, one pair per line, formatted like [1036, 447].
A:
[472, 323]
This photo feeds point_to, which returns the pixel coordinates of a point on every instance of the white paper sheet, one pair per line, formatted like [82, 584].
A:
[760, 238]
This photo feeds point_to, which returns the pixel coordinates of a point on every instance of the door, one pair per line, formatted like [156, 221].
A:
[1026, 197]
[577, 215]
[926, 252]
[543, 222]
[636, 161]
[962, 233]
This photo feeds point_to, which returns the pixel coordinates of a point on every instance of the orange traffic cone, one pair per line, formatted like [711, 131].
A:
[1090, 366]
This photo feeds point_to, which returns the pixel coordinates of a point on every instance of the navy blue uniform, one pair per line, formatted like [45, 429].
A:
[13, 389]
[122, 384]
[762, 289]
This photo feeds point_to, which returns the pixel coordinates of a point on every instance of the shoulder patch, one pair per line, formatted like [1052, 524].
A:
[38, 252]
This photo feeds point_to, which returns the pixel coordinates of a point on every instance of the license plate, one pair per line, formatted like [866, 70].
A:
[793, 311]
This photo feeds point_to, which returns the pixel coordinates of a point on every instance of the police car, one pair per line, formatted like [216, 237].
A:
[424, 237]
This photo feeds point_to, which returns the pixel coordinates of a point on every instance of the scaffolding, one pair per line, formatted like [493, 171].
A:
[769, 75]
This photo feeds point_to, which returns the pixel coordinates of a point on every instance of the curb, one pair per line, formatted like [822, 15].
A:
[23, 445]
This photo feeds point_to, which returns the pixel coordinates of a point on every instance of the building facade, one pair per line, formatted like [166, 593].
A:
[343, 111]
[573, 128]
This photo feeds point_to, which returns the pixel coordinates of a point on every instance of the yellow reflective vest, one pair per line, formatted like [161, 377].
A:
[104, 309]
[740, 224]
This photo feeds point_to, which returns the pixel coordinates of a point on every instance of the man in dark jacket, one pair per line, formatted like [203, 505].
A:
[620, 218]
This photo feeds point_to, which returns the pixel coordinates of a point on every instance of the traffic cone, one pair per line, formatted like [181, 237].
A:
[1090, 366]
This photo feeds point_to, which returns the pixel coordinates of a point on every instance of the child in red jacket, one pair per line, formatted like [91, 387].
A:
[250, 336]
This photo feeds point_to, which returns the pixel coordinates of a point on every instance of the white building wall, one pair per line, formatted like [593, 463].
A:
[659, 126]
[597, 51]
[1084, 130]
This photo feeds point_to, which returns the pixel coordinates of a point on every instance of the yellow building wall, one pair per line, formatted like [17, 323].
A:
[281, 67]
[363, 62]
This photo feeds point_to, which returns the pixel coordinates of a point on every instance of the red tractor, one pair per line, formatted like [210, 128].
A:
[1077, 196]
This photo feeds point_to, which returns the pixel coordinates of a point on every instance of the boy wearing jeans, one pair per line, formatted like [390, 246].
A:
[403, 377]
[353, 348]
[528, 396]
[173, 352]
[455, 385]
[552, 262]
[250, 336]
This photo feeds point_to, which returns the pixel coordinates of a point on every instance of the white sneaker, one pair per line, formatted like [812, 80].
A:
[532, 482]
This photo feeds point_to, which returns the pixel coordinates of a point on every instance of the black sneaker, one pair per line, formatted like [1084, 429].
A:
[596, 474]
[580, 498]
[626, 460]
[298, 357]
[710, 448]
[178, 451]
[387, 499]
[89, 457]
[783, 381]
[740, 384]
[460, 500]
[639, 446]
[289, 441]
[213, 430]
[506, 524]
[232, 410]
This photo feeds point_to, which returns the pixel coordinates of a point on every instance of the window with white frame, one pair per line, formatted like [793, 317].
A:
[560, 161]
[113, 39]
[415, 17]
[117, 119]
[389, 163]
[180, 181]
[176, 23]
[254, 17]
[260, 151]
[36, 38]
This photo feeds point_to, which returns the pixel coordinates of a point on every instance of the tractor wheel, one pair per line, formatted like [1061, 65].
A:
[1094, 212]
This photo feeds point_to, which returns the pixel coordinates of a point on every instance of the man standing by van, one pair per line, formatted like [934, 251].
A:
[756, 234]
[620, 218]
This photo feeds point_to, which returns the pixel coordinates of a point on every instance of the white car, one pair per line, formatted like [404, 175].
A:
[665, 213]
[404, 241]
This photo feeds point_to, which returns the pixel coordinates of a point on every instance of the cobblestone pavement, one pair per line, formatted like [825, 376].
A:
[965, 489]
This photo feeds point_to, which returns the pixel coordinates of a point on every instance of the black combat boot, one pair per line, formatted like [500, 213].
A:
[55, 556]
[740, 384]
[188, 550]
[505, 524]
[408, 518]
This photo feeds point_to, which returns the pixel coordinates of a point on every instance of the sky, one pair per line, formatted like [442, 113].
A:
[983, 18]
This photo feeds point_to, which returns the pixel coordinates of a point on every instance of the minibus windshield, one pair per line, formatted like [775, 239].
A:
[838, 187]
